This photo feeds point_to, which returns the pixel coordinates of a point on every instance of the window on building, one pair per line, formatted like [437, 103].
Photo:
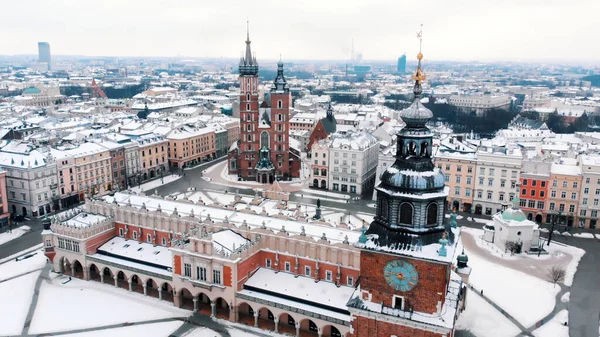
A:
[543, 184]
[384, 208]
[534, 183]
[398, 302]
[134, 235]
[350, 281]
[492, 171]
[468, 192]
[524, 182]
[480, 181]
[490, 182]
[501, 196]
[458, 168]
[432, 213]
[532, 193]
[121, 232]
[187, 270]
[149, 238]
[268, 263]
[307, 271]
[594, 214]
[482, 171]
[563, 194]
[554, 183]
[561, 207]
[584, 201]
[457, 191]
[458, 179]
[571, 208]
[328, 275]
[575, 184]
[522, 202]
[595, 202]
[489, 195]
[406, 213]
[523, 191]
[513, 184]
[551, 206]
[164, 241]
[586, 190]
[531, 204]
[540, 205]
[573, 195]
[468, 180]
[479, 194]
[502, 183]
[288, 267]
[564, 184]
[201, 273]
[216, 276]
[470, 169]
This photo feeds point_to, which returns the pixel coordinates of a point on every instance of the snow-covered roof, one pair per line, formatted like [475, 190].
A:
[323, 294]
[85, 220]
[228, 240]
[138, 251]
[569, 170]
[316, 231]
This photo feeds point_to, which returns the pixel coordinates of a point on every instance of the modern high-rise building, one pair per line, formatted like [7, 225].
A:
[402, 64]
[44, 53]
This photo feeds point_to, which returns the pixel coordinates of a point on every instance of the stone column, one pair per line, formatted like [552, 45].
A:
[256, 319]
[276, 320]
[73, 269]
[195, 299]
[320, 331]
[213, 309]
[64, 266]
[145, 289]
[86, 273]
[297, 329]
[130, 284]
[233, 317]
[176, 299]
[160, 293]
[102, 278]
[116, 284]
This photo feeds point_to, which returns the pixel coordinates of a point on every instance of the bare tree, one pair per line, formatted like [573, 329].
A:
[557, 274]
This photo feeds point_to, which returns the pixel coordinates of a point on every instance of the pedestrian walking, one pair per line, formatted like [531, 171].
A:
[481, 292]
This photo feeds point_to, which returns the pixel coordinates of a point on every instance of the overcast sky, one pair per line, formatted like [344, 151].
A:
[528, 30]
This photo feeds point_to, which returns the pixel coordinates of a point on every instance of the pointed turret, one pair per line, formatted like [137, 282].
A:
[248, 64]
[280, 84]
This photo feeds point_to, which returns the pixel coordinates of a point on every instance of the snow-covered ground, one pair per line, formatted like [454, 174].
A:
[326, 193]
[584, 235]
[566, 297]
[15, 297]
[526, 298]
[81, 304]
[483, 320]
[14, 268]
[13, 234]
[151, 185]
[556, 327]
[144, 330]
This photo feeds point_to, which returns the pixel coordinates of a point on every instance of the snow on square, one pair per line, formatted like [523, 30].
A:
[482, 319]
[13, 234]
[151, 185]
[15, 298]
[82, 304]
[526, 298]
[556, 327]
[13, 267]
[143, 330]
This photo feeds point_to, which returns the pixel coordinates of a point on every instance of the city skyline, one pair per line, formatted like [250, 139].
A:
[380, 31]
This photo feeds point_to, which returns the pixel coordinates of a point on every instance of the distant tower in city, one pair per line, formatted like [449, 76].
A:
[402, 64]
[44, 53]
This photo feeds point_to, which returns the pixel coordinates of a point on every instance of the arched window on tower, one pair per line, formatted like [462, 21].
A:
[411, 148]
[405, 214]
[264, 139]
[432, 214]
[424, 147]
[279, 104]
[248, 107]
[248, 97]
[383, 208]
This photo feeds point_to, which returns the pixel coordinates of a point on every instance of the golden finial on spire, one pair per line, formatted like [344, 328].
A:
[420, 75]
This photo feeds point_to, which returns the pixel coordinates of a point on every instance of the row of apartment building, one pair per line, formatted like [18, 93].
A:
[485, 182]
[42, 180]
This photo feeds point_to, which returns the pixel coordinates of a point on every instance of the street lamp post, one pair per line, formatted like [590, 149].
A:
[552, 229]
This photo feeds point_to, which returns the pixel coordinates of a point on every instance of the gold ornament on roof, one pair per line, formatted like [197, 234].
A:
[420, 75]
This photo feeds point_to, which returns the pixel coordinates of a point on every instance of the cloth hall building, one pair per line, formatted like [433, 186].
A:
[283, 271]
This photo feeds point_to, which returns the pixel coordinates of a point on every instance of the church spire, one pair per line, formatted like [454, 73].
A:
[280, 84]
[420, 75]
[248, 64]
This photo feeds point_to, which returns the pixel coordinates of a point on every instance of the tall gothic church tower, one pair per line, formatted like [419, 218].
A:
[263, 152]
[406, 285]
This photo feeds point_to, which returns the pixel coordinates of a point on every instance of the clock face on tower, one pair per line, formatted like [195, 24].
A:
[401, 275]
